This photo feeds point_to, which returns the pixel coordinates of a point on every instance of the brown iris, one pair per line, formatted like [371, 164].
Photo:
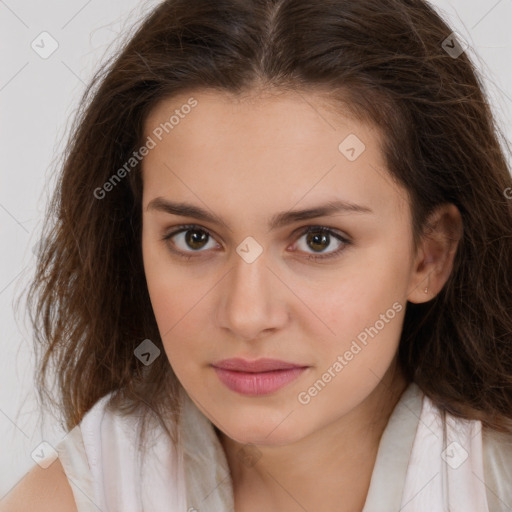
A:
[318, 238]
[196, 236]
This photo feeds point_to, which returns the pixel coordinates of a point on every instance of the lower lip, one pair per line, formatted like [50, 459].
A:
[254, 384]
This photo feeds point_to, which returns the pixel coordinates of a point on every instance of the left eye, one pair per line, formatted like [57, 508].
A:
[319, 238]
[196, 238]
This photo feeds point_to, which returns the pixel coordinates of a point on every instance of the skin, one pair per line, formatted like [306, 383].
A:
[246, 160]
[41, 490]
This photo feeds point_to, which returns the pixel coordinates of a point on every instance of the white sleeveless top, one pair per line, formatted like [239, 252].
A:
[422, 464]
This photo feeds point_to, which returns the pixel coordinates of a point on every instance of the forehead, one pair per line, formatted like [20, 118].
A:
[277, 147]
[297, 119]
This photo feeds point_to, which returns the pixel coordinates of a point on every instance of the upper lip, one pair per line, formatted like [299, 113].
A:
[258, 365]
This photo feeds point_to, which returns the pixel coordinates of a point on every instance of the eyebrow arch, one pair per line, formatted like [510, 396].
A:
[276, 221]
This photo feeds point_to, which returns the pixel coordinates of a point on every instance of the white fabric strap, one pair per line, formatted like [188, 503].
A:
[445, 470]
[120, 481]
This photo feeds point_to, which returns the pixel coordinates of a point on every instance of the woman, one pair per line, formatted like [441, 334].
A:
[278, 268]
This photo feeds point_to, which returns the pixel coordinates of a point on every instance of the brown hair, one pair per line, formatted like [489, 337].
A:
[384, 61]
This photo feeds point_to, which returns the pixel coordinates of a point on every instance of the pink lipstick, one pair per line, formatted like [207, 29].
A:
[258, 377]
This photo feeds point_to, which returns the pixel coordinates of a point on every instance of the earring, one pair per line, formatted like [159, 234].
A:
[428, 282]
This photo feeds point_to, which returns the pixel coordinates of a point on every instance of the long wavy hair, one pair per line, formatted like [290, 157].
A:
[386, 62]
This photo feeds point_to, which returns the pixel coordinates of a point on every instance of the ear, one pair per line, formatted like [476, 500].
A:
[436, 253]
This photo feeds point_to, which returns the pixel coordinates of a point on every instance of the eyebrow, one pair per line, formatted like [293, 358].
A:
[278, 220]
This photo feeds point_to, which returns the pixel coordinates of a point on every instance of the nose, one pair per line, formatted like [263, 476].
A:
[253, 299]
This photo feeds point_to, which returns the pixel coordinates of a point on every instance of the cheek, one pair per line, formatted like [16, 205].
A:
[363, 306]
[357, 294]
[167, 289]
[179, 300]
[366, 316]
[174, 304]
[165, 279]
[178, 316]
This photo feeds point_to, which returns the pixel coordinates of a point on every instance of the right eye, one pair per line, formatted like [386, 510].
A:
[189, 239]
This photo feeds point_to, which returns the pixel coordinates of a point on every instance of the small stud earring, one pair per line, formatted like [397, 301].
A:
[426, 290]
[428, 282]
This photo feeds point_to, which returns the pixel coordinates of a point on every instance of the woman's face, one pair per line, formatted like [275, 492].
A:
[242, 282]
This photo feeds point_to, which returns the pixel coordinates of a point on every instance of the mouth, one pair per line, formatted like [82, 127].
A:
[259, 377]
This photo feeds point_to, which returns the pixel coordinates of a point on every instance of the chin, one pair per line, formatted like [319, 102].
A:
[264, 431]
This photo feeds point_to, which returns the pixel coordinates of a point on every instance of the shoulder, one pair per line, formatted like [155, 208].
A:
[41, 490]
[72, 481]
[497, 459]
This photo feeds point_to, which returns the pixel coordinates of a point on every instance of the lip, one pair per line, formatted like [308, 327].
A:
[259, 377]
[264, 364]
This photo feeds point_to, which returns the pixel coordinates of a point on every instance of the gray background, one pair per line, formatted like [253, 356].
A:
[38, 97]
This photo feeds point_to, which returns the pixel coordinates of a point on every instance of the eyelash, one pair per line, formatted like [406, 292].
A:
[308, 229]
